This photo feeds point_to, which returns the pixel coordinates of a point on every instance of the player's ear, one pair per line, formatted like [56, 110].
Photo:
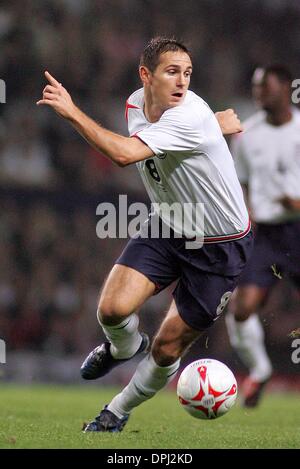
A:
[145, 75]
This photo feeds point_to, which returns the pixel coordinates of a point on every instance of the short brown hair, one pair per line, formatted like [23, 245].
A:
[158, 46]
[282, 72]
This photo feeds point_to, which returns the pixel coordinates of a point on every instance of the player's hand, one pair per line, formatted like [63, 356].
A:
[289, 203]
[57, 97]
[229, 122]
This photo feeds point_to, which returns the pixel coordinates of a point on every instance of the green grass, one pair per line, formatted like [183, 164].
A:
[52, 417]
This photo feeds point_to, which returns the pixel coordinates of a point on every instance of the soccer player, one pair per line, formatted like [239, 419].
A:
[267, 160]
[183, 158]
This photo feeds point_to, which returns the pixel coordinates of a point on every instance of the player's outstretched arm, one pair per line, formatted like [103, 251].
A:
[229, 122]
[121, 150]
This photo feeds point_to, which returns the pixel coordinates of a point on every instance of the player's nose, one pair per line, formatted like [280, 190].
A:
[180, 81]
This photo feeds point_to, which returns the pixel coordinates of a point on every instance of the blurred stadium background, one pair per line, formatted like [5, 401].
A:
[51, 181]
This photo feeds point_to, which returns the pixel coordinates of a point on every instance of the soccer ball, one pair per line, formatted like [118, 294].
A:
[207, 389]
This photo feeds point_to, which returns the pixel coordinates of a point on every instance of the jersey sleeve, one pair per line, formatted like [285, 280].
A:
[240, 161]
[174, 132]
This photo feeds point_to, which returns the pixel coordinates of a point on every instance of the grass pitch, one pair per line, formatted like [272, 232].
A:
[52, 417]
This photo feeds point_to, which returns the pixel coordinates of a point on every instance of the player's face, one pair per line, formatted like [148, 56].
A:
[170, 80]
[269, 92]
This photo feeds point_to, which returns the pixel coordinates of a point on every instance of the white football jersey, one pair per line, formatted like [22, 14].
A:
[192, 164]
[267, 159]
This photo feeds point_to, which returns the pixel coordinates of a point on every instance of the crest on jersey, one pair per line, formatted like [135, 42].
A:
[162, 157]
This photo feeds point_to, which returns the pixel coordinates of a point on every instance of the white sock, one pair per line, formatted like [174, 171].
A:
[247, 338]
[125, 338]
[146, 381]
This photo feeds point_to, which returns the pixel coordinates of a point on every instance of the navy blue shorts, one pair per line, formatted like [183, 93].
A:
[206, 276]
[276, 254]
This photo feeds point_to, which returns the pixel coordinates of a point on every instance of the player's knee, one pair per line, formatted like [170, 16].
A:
[244, 310]
[241, 316]
[110, 313]
[243, 306]
[165, 354]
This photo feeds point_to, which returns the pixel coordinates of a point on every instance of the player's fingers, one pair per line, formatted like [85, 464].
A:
[49, 96]
[51, 89]
[52, 80]
[44, 101]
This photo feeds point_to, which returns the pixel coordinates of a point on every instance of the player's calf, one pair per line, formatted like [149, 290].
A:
[172, 341]
[165, 354]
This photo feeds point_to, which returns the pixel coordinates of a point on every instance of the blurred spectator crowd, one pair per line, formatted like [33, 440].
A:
[51, 270]
[52, 263]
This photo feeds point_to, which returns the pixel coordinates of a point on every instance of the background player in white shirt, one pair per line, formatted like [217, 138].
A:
[183, 157]
[267, 158]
